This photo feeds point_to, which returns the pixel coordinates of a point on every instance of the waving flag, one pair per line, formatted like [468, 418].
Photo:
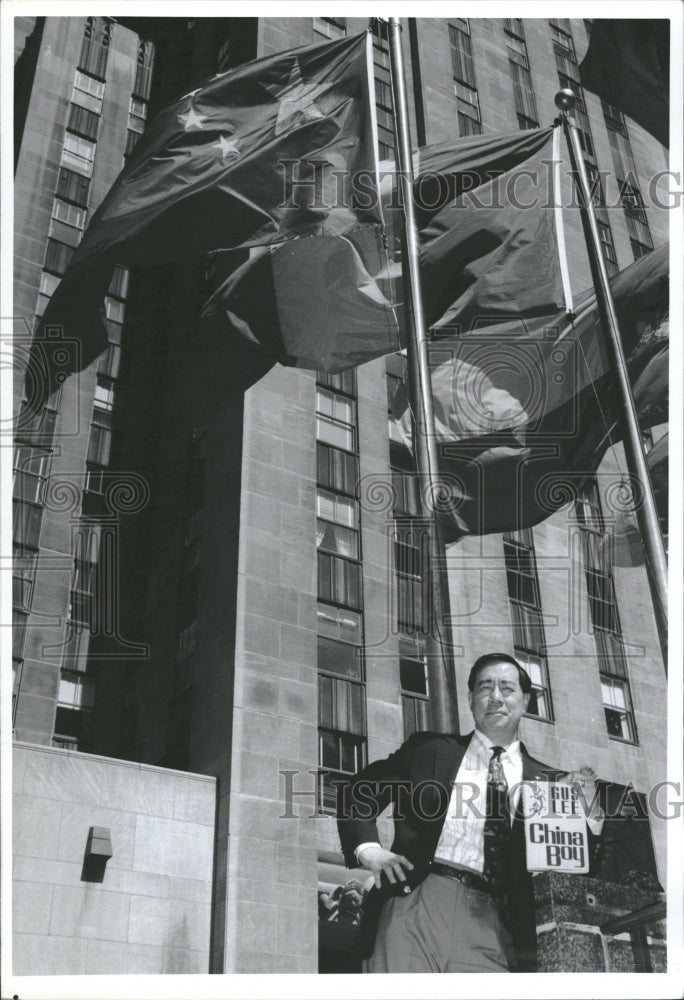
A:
[259, 155]
[330, 303]
[628, 65]
[524, 411]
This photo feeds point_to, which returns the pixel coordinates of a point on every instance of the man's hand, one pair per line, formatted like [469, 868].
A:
[585, 779]
[378, 860]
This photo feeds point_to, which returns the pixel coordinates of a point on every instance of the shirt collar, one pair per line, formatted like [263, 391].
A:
[484, 745]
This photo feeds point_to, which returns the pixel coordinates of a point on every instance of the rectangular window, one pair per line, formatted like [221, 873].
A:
[468, 110]
[143, 71]
[100, 442]
[338, 754]
[339, 580]
[88, 92]
[118, 287]
[330, 27]
[83, 122]
[95, 47]
[411, 561]
[75, 701]
[27, 519]
[336, 419]
[19, 628]
[73, 187]
[69, 215]
[337, 470]
[463, 67]
[415, 702]
[23, 576]
[340, 658]
[526, 612]
[340, 624]
[78, 154]
[523, 95]
[605, 619]
[57, 256]
[31, 467]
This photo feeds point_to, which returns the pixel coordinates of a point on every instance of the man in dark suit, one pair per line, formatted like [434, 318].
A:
[453, 894]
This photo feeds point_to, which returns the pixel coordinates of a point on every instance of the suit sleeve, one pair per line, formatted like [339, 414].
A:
[361, 798]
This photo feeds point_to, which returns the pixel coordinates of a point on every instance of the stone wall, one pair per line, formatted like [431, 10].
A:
[150, 912]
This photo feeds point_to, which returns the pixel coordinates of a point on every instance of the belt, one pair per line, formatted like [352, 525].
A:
[468, 879]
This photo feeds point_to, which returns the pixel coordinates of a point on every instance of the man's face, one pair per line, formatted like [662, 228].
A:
[497, 702]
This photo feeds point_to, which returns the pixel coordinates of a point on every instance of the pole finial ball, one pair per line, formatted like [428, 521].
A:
[565, 99]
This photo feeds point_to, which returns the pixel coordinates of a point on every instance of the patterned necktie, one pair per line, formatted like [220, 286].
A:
[497, 829]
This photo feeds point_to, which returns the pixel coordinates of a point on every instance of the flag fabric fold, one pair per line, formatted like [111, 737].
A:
[488, 252]
[628, 65]
[525, 410]
[311, 302]
[261, 154]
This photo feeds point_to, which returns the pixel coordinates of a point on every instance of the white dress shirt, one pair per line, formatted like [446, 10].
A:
[461, 841]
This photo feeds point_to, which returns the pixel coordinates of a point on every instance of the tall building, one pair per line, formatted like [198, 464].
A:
[219, 598]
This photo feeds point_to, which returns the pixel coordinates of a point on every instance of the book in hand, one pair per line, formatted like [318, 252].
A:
[556, 838]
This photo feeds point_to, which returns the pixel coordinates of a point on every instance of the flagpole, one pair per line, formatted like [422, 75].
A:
[645, 508]
[441, 675]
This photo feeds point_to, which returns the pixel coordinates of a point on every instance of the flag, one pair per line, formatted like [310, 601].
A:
[628, 65]
[524, 410]
[261, 154]
[333, 302]
[310, 302]
[487, 228]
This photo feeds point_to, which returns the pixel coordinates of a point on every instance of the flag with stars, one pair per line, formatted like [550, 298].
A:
[274, 149]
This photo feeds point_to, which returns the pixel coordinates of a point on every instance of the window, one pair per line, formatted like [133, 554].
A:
[75, 649]
[95, 46]
[118, 287]
[339, 580]
[463, 68]
[384, 106]
[143, 71]
[75, 701]
[73, 187]
[414, 694]
[625, 170]
[36, 428]
[337, 470]
[100, 443]
[78, 154]
[83, 122]
[69, 215]
[340, 658]
[338, 754]
[336, 419]
[137, 119]
[529, 639]
[340, 624]
[57, 256]
[19, 627]
[330, 27]
[605, 619]
[88, 92]
[114, 310]
[23, 576]
[27, 519]
[31, 467]
[519, 68]
[411, 560]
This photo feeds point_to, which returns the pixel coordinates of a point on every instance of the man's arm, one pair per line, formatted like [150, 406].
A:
[362, 798]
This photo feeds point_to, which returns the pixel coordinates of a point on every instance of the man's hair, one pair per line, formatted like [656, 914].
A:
[490, 658]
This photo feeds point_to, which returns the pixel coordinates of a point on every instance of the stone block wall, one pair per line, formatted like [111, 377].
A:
[150, 910]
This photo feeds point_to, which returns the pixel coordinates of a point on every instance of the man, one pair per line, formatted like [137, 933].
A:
[453, 894]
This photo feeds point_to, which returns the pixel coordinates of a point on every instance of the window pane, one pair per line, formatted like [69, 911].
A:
[412, 676]
[340, 658]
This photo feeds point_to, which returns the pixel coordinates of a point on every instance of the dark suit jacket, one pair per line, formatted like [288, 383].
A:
[418, 778]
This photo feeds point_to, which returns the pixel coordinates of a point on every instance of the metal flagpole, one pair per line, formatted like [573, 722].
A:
[645, 508]
[441, 677]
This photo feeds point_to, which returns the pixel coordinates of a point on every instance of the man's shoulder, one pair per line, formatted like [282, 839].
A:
[429, 738]
[542, 770]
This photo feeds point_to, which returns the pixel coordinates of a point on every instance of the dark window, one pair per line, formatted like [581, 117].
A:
[338, 470]
[27, 519]
[57, 256]
[339, 581]
[73, 187]
[95, 47]
[462, 64]
[83, 122]
[340, 658]
[143, 71]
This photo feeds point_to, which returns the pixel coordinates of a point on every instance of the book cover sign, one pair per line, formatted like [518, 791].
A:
[556, 837]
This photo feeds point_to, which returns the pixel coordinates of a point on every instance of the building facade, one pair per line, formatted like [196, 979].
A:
[221, 585]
